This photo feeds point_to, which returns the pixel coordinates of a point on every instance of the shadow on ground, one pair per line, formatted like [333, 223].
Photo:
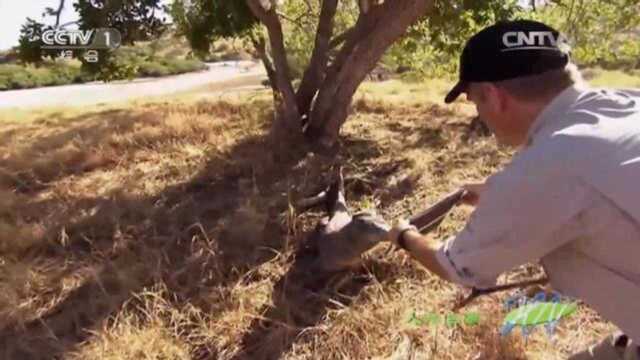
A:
[203, 232]
[300, 300]
[143, 241]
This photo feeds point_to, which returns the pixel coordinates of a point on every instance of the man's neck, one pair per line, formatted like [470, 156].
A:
[530, 111]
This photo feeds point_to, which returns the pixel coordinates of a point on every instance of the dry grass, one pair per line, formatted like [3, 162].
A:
[162, 231]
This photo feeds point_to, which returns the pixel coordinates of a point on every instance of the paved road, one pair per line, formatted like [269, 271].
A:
[98, 92]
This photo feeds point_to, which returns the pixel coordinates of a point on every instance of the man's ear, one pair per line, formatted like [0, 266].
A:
[496, 97]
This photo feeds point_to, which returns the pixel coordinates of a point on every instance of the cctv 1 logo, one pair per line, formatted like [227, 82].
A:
[103, 38]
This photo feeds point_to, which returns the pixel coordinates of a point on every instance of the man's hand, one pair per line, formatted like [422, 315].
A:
[398, 227]
[473, 193]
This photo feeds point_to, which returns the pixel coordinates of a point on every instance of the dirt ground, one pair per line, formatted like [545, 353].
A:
[165, 231]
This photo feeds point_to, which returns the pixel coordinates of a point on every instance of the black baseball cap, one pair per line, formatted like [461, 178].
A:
[508, 50]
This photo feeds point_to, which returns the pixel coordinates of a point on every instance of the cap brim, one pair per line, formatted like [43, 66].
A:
[455, 92]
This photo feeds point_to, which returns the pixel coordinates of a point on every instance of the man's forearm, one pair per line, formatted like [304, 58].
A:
[424, 249]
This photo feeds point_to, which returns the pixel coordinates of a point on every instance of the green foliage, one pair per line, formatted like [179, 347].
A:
[124, 63]
[602, 33]
[230, 49]
[113, 66]
[299, 36]
[454, 22]
[143, 59]
[179, 66]
[300, 26]
[13, 76]
[130, 62]
[135, 19]
[168, 66]
[153, 69]
[203, 21]
[29, 48]
[432, 46]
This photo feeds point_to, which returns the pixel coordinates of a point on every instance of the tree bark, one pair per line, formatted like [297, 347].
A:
[331, 83]
[374, 32]
[315, 72]
[287, 118]
[58, 12]
[260, 46]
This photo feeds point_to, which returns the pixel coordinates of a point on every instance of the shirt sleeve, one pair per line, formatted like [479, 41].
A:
[513, 223]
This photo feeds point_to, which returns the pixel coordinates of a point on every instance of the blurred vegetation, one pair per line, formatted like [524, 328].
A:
[136, 20]
[202, 22]
[300, 29]
[433, 46]
[603, 33]
[161, 57]
[13, 76]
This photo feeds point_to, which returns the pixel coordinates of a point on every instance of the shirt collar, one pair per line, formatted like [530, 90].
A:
[558, 105]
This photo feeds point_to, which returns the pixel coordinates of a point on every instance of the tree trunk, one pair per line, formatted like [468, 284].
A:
[331, 83]
[260, 46]
[286, 121]
[315, 72]
[374, 32]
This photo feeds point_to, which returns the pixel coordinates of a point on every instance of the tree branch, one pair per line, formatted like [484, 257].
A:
[318, 63]
[295, 21]
[274, 28]
[260, 47]
[68, 23]
[51, 12]
[339, 39]
[475, 292]
[330, 85]
[365, 24]
[285, 98]
[374, 32]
